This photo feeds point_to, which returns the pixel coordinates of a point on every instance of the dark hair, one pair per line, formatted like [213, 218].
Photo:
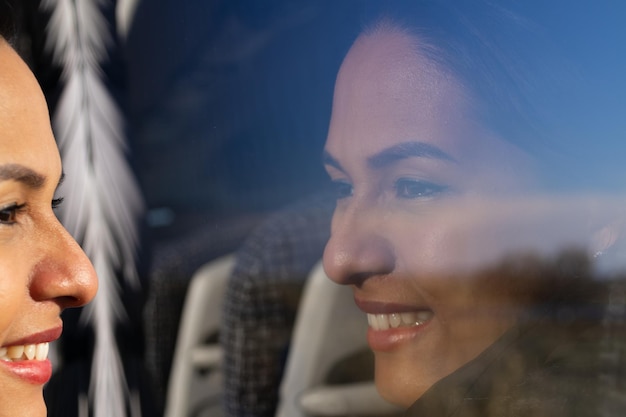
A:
[8, 29]
[528, 89]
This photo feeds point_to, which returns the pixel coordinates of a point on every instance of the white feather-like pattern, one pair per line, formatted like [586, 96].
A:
[102, 199]
[125, 13]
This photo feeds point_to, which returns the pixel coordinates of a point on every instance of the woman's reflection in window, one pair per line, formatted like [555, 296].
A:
[477, 284]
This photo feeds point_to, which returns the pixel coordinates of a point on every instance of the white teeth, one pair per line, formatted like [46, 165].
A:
[395, 320]
[383, 321]
[15, 352]
[409, 318]
[29, 352]
[423, 316]
[38, 351]
[42, 351]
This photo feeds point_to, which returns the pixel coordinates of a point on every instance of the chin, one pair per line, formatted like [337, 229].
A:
[399, 385]
[35, 409]
[33, 406]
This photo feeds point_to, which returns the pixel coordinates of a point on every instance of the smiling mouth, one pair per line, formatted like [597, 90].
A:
[396, 320]
[38, 351]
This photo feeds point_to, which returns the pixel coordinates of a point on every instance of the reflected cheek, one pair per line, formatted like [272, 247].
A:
[439, 247]
[430, 248]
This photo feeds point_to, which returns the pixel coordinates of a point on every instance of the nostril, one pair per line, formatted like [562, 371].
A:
[69, 302]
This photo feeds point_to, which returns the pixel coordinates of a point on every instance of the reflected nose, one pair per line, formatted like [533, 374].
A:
[64, 274]
[357, 248]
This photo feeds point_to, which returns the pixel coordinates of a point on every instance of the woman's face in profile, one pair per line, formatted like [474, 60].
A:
[403, 148]
[42, 269]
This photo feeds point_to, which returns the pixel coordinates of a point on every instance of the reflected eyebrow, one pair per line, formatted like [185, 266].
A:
[21, 174]
[328, 159]
[405, 150]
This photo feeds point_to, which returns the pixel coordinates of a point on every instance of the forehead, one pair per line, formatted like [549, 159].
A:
[388, 94]
[387, 91]
[394, 58]
[25, 133]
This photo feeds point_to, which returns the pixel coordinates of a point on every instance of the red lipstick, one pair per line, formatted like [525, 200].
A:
[33, 371]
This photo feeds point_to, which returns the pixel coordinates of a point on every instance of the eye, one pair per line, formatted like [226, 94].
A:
[57, 202]
[412, 189]
[342, 189]
[8, 215]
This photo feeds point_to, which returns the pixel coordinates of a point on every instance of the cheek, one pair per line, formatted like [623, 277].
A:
[453, 240]
[11, 296]
[447, 261]
[430, 245]
[16, 260]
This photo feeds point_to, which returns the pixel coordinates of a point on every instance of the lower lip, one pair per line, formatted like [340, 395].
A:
[390, 339]
[33, 372]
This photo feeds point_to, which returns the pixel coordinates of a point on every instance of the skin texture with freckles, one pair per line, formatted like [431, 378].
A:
[402, 146]
[42, 269]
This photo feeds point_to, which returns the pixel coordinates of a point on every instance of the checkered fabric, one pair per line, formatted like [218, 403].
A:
[174, 264]
[261, 303]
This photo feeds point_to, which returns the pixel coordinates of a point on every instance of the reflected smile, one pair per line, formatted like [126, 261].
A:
[395, 320]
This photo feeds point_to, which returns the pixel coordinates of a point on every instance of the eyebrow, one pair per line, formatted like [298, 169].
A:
[21, 174]
[328, 159]
[396, 153]
[406, 150]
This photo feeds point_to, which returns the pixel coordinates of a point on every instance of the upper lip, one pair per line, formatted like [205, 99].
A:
[383, 307]
[44, 336]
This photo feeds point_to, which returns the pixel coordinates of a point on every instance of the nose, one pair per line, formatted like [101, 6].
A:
[357, 248]
[63, 273]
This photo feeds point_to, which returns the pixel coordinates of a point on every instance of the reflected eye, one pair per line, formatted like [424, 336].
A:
[412, 189]
[342, 189]
[8, 215]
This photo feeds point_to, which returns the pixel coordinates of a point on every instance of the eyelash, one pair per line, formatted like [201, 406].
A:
[341, 189]
[57, 202]
[8, 215]
[405, 188]
[411, 189]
